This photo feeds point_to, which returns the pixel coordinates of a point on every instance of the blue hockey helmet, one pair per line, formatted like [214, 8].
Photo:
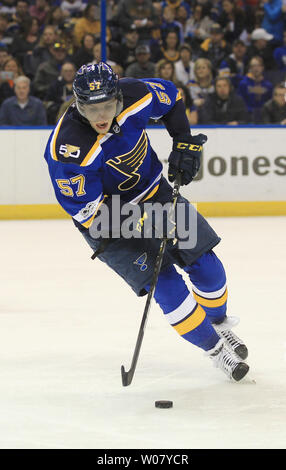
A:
[96, 83]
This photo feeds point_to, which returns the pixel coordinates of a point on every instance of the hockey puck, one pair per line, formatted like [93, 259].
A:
[163, 404]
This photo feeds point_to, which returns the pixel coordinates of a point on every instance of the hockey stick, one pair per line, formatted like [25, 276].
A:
[128, 376]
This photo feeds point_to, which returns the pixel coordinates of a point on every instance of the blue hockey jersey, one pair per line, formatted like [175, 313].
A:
[86, 167]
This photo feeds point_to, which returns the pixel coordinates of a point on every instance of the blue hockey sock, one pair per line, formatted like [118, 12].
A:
[181, 310]
[209, 285]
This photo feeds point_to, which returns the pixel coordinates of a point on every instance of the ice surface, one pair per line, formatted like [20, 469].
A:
[67, 323]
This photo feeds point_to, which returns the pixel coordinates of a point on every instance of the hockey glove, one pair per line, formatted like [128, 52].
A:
[185, 157]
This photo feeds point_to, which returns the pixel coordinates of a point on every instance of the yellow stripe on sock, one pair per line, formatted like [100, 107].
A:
[211, 302]
[192, 322]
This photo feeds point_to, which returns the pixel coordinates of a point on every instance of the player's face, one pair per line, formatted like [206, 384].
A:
[101, 115]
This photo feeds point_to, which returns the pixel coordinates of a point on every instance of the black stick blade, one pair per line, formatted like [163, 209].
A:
[126, 377]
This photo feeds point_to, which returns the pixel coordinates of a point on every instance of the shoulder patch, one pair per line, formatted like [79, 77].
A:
[74, 142]
[69, 151]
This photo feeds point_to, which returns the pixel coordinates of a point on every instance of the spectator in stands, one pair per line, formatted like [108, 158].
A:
[84, 54]
[6, 79]
[191, 110]
[8, 7]
[25, 42]
[169, 23]
[254, 89]
[6, 37]
[64, 107]
[12, 65]
[169, 49]
[97, 57]
[223, 106]
[213, 7]
[125, 51]
[234, 66]
[253, 20]
[280, 55]
[72, 8]
[55, 17]
[215, 48]
[274, 110]
[232, 20]
[22, 109]
[142, 67]
[49, 70]
[184, 67]
[65, 35]
[111, 6]
[118, 70]
[60, 91]
[158, 5]
[273, 19]
[39, 10]
[4, 55]
[261, 47]
[177, 3]
[139, 14]
[88, 23]
[258, 17]
[203, 83]
[41, 51]
[165, 69]
[198, 29]
[182, 16]
[21, 14]
[198, 26]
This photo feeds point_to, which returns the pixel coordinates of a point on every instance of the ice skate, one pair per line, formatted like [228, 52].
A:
[233, 342]
[227, 361]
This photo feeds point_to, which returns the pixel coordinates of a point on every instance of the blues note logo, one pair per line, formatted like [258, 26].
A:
[141, 261]
[129, 163]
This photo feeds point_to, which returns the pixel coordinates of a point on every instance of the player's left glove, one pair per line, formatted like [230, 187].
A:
[185, 157]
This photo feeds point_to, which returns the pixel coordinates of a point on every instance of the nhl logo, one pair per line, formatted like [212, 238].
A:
[116, 129]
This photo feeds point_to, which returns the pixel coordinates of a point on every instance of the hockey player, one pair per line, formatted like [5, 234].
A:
[100, 149]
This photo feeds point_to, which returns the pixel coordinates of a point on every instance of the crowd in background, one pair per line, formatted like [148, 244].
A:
[227, 57]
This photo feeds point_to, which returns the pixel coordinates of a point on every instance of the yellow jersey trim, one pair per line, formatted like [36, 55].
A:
[154, 190]
[91, 151]
[135, 105]
[54, 139]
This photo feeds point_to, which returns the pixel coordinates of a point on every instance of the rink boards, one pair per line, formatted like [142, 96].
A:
[242, 173]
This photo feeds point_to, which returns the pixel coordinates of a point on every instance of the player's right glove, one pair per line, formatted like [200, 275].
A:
[185, 157]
